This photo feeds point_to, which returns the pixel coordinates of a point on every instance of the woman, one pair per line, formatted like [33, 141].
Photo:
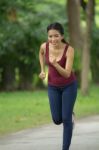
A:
[62, 84]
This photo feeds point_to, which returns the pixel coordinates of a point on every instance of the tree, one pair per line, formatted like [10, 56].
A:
[82, 34]
[75, 33]
[95, 55]
[73, 11]
[6, 15]
[16, 42]
[21, 33]
[86, 48]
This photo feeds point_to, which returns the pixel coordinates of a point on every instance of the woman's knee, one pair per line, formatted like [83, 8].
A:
[67, 121]
[57, 122]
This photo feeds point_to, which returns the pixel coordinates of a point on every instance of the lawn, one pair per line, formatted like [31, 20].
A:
[21, 110]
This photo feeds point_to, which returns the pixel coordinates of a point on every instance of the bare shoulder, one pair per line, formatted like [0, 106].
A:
[43, 46]
[70, 51]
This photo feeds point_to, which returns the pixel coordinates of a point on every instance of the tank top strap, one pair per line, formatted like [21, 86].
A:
[65, 50]
[47, 49]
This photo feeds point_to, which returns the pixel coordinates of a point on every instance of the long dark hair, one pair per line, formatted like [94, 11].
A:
[57, 26]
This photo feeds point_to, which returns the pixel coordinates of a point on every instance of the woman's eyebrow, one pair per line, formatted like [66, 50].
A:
[53, 34]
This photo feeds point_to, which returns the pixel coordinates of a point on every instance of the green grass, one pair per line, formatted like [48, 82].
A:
[20, 110]
[88, 105]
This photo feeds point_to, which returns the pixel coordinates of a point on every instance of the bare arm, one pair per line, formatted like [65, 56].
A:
[65, 72]
[41, 57]
[42, 61]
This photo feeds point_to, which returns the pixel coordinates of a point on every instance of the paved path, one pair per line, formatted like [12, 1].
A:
[49, 137]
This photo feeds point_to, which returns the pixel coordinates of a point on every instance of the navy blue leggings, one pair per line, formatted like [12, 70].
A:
[62, 100]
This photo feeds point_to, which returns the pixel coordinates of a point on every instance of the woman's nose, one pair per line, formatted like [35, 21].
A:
[53, 38]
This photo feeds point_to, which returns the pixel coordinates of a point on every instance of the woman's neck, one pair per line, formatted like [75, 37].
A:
[58, 47]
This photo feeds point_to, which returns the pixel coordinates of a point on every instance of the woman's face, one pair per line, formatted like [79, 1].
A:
[54, 37]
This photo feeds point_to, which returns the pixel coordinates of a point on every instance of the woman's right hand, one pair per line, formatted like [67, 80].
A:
[42, 75]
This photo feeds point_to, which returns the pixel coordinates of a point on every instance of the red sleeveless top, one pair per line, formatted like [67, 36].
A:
[54, 78]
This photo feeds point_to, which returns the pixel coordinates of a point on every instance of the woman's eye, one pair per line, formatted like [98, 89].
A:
[50, 36]
[56, 35]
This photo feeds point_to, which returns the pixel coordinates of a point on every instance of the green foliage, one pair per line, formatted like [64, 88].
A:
[95, 55]
[28, 30]
[77, 66]
[77, 61]
[23, 29]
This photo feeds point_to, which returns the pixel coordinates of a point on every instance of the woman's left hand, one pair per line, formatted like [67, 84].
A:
[53, 62]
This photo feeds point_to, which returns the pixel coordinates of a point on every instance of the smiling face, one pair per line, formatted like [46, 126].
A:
[54, 37]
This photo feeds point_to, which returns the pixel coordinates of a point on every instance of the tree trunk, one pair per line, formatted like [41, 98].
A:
[8, 77]
[25, 77]
[86, 49]
[95, 56]
[73, 11]
[85, 66]
[95, 72]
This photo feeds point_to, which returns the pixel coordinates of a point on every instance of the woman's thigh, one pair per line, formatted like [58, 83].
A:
[55, 100]
[68, 100]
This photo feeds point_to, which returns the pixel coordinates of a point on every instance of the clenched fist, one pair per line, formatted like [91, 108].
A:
[42, 75]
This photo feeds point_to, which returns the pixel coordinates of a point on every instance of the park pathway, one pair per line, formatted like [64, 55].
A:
[49, 137]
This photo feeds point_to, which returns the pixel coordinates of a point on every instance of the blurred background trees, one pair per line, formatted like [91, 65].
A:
[23, 28]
